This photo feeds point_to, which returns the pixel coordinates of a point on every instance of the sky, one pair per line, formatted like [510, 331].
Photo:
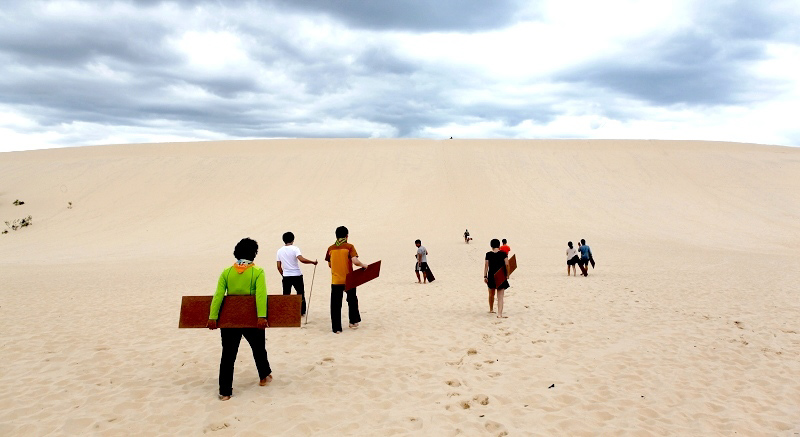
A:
[75, 73]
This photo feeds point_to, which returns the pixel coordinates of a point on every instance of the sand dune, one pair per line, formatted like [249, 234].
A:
[688, 326]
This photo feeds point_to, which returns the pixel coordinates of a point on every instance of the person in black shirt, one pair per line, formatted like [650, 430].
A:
[495, 260]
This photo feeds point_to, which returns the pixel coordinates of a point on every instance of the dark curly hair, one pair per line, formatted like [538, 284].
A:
[246, 249]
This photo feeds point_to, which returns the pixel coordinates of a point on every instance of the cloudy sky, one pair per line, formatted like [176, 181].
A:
[78, 73]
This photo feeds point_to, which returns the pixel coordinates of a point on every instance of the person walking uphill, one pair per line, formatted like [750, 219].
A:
[422, 263]
[243, 277]
[341, 256]
[287, 258]
[496, 259]
[586, 257]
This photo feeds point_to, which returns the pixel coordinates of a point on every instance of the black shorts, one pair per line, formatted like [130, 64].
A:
[422, 267]
[574, 260]
[584, 262]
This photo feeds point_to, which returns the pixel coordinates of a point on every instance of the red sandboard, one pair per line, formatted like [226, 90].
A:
[362, 276]
[500, 275]
[240, 311]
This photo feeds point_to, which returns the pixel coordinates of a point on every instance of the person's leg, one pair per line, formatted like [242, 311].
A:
[287, 285]
[337, 292]
[491, 300]
[300, 287]
[500, 293]
[424, 268]
[257, 339]
[419, 281]
[352, 305]
[230, 347]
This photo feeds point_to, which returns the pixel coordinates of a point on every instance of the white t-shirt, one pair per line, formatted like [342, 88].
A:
[287, 255]
[571, 253]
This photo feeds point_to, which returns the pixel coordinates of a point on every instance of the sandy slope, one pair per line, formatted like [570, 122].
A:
[689, 325]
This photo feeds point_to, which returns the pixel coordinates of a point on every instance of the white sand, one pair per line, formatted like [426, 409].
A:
[689, 325]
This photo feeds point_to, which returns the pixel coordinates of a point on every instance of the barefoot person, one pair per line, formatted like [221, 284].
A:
[496, 259]
[288, 256]
[572, 259]
[243, 277]
[422, 262]
[341, 256]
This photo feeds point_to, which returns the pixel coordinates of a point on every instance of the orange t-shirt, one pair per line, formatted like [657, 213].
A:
[340, 259]
[505, 248]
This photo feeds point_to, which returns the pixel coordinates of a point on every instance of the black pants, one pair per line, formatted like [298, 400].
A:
[231, 337]
[297, 283]
[337, 292]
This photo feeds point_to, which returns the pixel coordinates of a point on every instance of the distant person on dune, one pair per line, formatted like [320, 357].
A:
[241, 278]
[572, 259]
[422, 263]
[287, 258]
[586, 257]
[466, 236]
[496, 259]
[505, 247]
[341, 256]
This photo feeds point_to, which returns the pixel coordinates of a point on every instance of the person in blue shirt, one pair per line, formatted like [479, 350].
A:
[586, 257]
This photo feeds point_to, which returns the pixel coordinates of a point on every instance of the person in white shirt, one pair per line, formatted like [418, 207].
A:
[287, 258]
[572, 259]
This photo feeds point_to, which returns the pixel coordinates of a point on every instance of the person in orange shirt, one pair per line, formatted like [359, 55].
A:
[505, 247]
[341, 256]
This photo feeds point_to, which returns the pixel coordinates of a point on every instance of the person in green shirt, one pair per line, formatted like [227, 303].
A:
[242, 278]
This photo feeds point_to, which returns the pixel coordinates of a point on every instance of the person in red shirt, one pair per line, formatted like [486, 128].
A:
[505, 247]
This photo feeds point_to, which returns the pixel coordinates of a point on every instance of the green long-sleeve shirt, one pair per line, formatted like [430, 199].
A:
[249, 281]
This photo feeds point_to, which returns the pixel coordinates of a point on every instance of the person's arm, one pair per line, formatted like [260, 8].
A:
[419, 258]
[486, 271]
[216, 302]
[280, 268]
[508, 273]
[261, 302]
[358, 262]
[303, 260]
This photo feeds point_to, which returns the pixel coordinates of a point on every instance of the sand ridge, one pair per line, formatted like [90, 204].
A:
[688, 325]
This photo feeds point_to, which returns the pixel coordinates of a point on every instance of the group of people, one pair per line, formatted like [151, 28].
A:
[581, 261]
[245, 278]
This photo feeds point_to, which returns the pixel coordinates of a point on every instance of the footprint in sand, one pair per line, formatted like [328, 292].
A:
[495, 427]
[481, 399]
[494, 374]
[217, 426]
[453, 383]
[538, 341]
[472, 351]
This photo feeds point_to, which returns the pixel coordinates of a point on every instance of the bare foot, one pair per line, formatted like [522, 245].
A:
[502, 317]
[491, 312]
[224, 398]
[338, 332]
[354, 325]
[265, 381]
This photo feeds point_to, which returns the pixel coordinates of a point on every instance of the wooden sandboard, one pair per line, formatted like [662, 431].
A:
[500, 275]
[240, 311]
[362, 276]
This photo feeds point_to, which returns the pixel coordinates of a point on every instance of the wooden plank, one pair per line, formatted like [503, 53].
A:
[362, 276]
[500, 275]
[240, 311]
